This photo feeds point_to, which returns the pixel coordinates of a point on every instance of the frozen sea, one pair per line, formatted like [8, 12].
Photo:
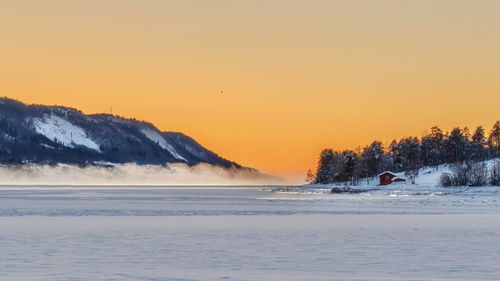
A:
[248, 233]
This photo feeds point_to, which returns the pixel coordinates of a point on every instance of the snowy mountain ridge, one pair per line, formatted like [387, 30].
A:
[56, 134]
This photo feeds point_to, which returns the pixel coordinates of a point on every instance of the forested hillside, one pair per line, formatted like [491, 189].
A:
[41, 134]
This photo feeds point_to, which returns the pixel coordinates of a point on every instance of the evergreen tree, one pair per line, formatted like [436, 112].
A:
[494, 140]
[372, 156]
[455, 146]
[409, 153]
[387, 163]
[432, 148]
[478, 141]
[360, 169]
[323, 171]
[427, 152]
[395, 155]
[468, 149]
[350, 159]
[412, 155]
[335, 167]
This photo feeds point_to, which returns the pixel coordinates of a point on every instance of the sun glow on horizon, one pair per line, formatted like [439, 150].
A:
[296, 78]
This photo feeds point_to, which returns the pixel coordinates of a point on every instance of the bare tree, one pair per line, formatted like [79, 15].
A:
[495, 173]
[478, 174]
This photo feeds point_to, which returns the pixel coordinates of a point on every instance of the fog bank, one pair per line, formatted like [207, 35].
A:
[132, 174]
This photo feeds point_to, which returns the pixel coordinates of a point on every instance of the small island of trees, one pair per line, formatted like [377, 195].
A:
[464, 151]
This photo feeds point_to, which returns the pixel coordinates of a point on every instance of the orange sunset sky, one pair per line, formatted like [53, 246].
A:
[297, 76]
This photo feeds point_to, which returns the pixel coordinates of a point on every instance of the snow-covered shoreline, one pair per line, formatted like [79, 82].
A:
[428, 179]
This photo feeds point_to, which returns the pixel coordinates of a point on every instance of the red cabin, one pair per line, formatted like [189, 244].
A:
[388, 177]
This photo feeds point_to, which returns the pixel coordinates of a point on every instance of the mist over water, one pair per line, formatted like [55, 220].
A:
[132, 174]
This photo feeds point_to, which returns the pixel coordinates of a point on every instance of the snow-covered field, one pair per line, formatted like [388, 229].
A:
[223, 233]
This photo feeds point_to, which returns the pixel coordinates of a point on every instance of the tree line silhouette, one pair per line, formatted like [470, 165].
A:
[459, 147]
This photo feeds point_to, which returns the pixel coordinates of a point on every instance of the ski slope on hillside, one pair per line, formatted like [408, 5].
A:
[157, 138]
[60, 130]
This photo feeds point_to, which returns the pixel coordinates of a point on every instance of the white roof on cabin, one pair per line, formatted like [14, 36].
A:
[387, 172]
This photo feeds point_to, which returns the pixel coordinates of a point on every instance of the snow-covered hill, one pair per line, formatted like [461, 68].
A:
[428, 177]
[52, 134]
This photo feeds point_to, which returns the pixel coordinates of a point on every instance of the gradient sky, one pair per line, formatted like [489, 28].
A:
[298, 76]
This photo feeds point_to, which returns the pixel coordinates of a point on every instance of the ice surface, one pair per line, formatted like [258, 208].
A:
[157, 138]
[58, 129]
[222, 233]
